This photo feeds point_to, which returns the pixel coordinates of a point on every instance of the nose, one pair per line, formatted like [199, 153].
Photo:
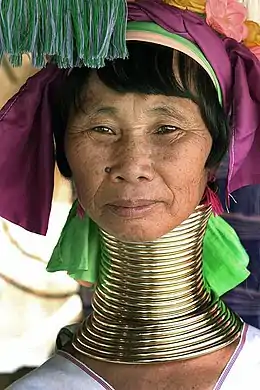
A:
[133, 165]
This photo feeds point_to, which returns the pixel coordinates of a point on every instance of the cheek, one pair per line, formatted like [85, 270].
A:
[185, 172]
[87, 168]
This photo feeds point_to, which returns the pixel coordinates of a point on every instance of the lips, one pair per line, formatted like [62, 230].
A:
[132, 203]
[136, 208]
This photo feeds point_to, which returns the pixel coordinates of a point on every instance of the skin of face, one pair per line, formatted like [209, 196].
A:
[156, 147]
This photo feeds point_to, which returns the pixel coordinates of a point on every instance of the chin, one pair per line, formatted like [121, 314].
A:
[150, 227]
[138, 232]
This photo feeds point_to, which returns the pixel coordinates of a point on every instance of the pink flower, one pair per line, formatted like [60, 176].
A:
[256, 51]
[227, 17]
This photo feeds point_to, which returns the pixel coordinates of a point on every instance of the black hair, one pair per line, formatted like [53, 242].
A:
[150, 69]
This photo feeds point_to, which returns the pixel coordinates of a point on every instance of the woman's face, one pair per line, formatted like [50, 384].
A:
[156, 148]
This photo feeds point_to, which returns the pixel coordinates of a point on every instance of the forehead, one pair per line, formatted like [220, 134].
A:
[97, 96]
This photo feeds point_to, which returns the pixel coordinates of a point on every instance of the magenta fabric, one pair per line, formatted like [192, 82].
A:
[27, 153]
[27, 120]
[244, 155]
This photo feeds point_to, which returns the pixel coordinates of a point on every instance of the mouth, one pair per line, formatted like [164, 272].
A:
[132, 208]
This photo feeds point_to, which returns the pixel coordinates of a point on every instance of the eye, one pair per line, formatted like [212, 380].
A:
[103, 130]
[167, 129]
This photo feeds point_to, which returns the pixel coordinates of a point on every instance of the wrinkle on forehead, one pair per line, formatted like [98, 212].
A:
[99, 100]
[97, 96]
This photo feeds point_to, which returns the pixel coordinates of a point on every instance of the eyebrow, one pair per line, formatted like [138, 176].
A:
[92, 110]
[166, 110]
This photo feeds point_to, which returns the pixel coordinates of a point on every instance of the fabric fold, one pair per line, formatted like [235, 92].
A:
[27, 152]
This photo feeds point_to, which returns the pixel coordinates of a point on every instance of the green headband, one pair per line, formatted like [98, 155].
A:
[152, 33]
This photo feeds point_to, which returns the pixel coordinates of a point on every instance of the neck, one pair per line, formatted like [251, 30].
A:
[151, 303]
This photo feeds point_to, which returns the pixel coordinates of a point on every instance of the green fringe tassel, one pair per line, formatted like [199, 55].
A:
[74, 32]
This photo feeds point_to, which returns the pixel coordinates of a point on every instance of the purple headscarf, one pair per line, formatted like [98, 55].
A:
[26, 121]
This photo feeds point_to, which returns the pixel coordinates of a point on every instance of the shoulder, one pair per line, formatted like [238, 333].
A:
[252, 341]
[248, 351]
[60, 373]
[244, 366]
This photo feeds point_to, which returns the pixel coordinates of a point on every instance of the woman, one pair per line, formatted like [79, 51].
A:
[142, 139]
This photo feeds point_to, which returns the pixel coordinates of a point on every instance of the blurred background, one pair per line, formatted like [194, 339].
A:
[243, 214]
[34, 304]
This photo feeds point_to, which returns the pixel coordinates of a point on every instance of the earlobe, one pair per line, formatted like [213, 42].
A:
[80, 211]
[210, 197]
[85, 284]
